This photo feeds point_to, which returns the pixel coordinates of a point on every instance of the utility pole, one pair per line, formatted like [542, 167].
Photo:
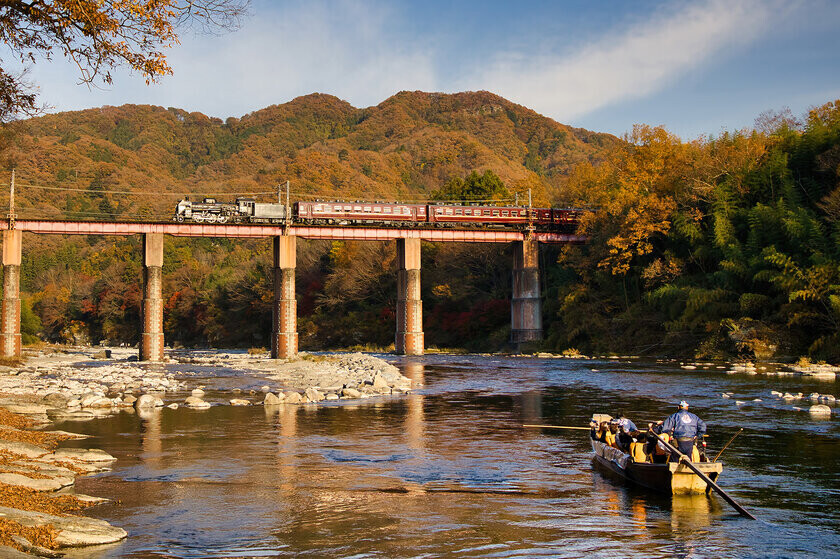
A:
[288, 210]
[12, 215]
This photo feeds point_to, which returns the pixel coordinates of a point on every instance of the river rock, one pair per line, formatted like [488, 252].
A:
[351, 393]
[82, 455]
[265, 388]
[331, 396]
[379, 383]
[239, 402]
[145, 401]
[129, 399]
[74, 403]
[292, 398]
[99, 402]
[11, 553]
[36, 484]
[197, 392]
[73, 531]
[173, 406]
[313, 394]
[27, 409]
[24, 449]
[820, 409]
[196, 402]
[55, 399]
[36, 550]
[273, 400]
[104, 354]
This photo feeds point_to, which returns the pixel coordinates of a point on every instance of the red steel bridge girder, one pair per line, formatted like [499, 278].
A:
[347, 233]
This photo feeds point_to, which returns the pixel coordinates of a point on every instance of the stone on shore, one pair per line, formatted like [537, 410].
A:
[11, 553]
[72, 531]
[90, 455]
[239, 402]
[351, 393]
[313, 395]
[26, 450]
[36, 550]
[292, 398]
[36, 484]
[273, 399]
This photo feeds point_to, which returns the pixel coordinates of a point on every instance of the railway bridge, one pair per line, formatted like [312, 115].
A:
[526, 319]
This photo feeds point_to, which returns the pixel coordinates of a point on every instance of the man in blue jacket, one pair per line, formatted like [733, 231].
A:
[686, 427]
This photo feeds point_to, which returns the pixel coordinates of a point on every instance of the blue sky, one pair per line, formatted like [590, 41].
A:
[696, 67]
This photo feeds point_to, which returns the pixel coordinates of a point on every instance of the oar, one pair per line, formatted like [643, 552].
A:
[684, 459]
[558, 427]
[727, 444]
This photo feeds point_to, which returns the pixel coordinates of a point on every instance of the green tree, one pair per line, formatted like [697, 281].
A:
[474, 187]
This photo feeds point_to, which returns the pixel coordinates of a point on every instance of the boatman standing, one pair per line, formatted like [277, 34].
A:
[686, 427]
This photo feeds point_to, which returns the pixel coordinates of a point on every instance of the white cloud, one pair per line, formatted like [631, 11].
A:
[345, 48]
[627, 64]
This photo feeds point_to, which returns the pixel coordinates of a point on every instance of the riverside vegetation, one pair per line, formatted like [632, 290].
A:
[710, 248]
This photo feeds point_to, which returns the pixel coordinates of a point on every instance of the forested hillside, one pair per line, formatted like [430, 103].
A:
[714, 247]
[137, 161]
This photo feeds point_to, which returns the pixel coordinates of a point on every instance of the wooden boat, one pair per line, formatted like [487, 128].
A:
[670, 477]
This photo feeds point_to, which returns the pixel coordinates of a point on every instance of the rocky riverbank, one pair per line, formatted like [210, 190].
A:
[83, 383]
[36, 491]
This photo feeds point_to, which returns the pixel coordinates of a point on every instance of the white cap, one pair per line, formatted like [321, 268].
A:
[683, 404]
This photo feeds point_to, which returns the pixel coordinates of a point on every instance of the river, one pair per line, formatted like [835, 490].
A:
[449, 470]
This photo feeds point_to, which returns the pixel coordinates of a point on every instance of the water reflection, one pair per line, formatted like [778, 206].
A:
[448, 470]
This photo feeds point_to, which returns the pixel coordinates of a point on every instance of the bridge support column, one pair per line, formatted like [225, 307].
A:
[409, 339]
[284, 335]
[151, 339]
[10, 328]
[525, 305]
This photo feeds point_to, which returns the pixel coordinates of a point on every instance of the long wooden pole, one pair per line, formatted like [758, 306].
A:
[558, 427]
[684, 459]
[727, 444]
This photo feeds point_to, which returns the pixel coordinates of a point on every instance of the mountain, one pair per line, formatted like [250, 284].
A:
[403, 148]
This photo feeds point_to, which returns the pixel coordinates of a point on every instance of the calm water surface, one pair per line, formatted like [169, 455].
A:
[449, 471]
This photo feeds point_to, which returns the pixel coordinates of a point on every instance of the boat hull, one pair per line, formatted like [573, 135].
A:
[671, 477]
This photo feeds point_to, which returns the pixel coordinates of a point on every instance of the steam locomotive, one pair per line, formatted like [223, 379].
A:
[248, 210]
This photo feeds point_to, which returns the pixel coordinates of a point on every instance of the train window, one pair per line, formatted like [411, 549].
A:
[348, 208]
[459, 211]
[504, 213]
[357, 208]
[367, 208]
[486, 212]
[387, 209]
[467, 211]
[318, 207]
[448, 211]
[377, 209]
[496, 213]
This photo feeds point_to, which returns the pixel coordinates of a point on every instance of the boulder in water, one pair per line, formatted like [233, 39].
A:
[820, 410]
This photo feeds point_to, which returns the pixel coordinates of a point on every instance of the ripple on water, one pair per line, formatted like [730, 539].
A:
[448, 471]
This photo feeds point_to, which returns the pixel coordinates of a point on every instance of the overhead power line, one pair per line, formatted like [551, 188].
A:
[143, 193]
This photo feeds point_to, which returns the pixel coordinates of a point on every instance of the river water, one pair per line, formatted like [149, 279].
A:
[449, 470]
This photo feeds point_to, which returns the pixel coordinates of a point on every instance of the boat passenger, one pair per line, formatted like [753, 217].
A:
[626, 424]
[686, 428]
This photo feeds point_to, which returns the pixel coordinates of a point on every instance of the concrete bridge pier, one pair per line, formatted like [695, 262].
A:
[409, 338]
[525, 305]
[10, 327]
[151, 339]
[284, 335]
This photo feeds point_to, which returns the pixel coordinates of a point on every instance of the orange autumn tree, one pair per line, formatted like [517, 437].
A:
[98, 36]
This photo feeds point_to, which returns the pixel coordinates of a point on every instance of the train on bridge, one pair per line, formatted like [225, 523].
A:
[438, 214]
